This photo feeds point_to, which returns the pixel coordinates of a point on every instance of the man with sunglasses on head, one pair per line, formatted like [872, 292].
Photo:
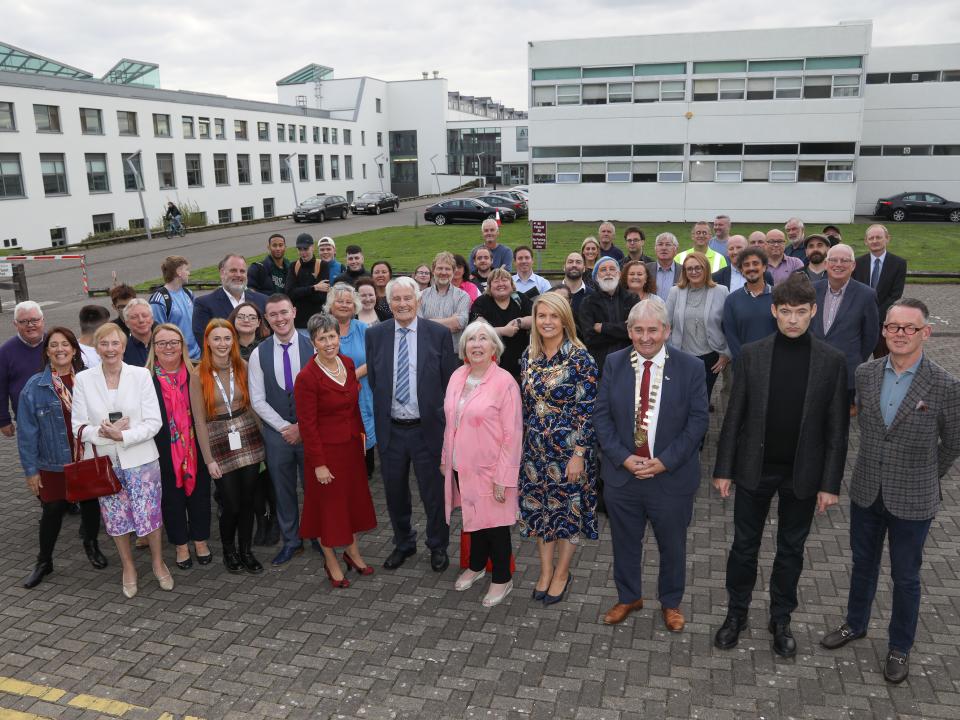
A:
[909, 417]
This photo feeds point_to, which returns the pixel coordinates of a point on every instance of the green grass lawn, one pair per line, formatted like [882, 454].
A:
[926, 246]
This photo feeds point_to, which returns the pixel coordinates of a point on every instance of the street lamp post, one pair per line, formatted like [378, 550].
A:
[293, 183]
[136, 176]
[379, 169]
[479, 174]
[435, 174]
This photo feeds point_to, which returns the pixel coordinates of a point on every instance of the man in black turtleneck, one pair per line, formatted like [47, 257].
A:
[780, 438]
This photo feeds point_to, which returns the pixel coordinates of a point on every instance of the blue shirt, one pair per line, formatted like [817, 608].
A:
[664, 281]
[719, 246]
[336, 269]
[181, 315]
[352, 345]
[894, 389]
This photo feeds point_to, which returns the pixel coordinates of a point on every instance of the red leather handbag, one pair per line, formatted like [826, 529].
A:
[90, 478]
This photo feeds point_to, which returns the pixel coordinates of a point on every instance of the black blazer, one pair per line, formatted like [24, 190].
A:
[822, 444]
[893, 276]
[162, 438]
[722, 277]
[217, 305]
[436, 362]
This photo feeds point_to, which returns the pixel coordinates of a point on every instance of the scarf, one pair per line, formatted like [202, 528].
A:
[183, 449]
[63, 392]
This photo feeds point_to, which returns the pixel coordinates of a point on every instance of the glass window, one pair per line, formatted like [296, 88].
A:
[846, 85]
[557, 151]
[732, 89]
[326, 135]
[545, 96]
[775, 65]
[604, 72]
[895, 150]
[672, 90]
[220, 174]
[915, 77]
[771, 149]
[103, 223]
[568, 73]
[11, 176]
[268, 207]
[651, 150]
[839, 172]
[646, 92]
[263, 131]
[834, 63]
[704, 90]
[91, 121]
[7, 120]
[316, 134]
[302, 133]
[239, 129]
[619, 93]
[593, 172]
[58, 235]
[783, 171]
[348, 167]
[127, 122]
[284, 169]
[618, 172]
[878, 78]
[644, 172]
[334, 167]
[97, 180]
[951, 76]
[333, 136]
[54, 172]
[186, 124]
[363, 137]
[670, 172]
[828, 148]
[811, 171]
[194, 171]
[318, 167]
[243, 169]
[756, 170]
[219, 129]
[873, 150]
[945, 150]
[303, 167]
[523, 138]
[717, 149]
[379, 139]
[165, 171]
[760, 89]
[817, 86]
[788, 87]
[702, 170]
[266, 169]
[568, 172]
[161, 125]
[224, 216]
[292, 132]
[719, 66]
[728, 172]
[203, 128]
[606, 150]
[660, 69]
[281, 132]
[246, 213]
[47, 118]
[568, 94]
[347, 137]
[379, 105]
[131, 180]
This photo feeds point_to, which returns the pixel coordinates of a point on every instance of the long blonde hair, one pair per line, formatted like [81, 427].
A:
[561, 306]
[152, 355]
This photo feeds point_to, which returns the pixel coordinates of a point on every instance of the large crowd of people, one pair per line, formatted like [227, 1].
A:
[516, 401]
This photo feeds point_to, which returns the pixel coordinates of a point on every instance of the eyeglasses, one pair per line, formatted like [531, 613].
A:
[250, 318]
[30, 321]
[908, 330]
[167, 343]
[422, 272]
[693, 270]
[775, 242]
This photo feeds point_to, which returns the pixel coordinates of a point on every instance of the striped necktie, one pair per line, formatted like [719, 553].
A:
[403, 369]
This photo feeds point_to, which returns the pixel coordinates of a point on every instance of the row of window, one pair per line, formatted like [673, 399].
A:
[921, 76]
[54, 174]
[47, 120]
[678, 149]
[911, 150]
[849, 62]
[105, 222]
[698, 90]
[665, 171]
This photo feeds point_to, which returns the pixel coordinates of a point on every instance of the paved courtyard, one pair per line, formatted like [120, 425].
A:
[403, 644]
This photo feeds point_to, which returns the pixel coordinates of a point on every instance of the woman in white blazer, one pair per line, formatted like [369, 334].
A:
[695, 309]
[119, 407]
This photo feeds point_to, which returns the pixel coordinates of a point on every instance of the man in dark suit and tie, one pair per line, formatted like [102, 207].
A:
[650, 418]
[846, 313]
[221, 302]
[780, 438]
[883, 271]
[909, 439]
[409, 361]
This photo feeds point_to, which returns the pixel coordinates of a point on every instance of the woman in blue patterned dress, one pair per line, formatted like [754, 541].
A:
[558, 474]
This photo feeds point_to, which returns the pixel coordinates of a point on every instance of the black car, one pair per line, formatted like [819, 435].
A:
[375, 202]
[500, 202]
[915, 205]
[465, 210]
[320, 208]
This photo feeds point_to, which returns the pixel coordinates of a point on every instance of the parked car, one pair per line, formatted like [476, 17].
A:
[320, 208]
[917, 204]
[375, 202]
[515, 194]
[525, 189]
[465, 210]
[501, 202]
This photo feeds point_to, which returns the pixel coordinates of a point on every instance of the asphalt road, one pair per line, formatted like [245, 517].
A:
[58, 288]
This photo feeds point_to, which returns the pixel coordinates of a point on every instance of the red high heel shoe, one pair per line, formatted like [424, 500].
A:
[342, 583]
[352, 564]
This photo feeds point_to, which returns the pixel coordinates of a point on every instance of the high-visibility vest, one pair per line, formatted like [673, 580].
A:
[716, 260]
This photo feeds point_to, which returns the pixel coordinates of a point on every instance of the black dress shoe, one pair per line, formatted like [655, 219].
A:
[231, 561]
[397, 558]
[897, 667]
[729, 633]
[185, 564]
[249, 562]
[840, 637]
[439, 560]
[549, 599]
[784, 644]
[96, 558]
[42, 569]
[205, 559]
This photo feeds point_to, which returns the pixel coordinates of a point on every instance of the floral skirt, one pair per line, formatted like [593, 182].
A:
[552, 508]
[136, 508]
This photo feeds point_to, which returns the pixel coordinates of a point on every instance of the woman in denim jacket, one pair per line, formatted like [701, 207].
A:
[45, 443]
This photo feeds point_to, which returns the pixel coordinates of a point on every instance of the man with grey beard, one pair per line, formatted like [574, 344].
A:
[603, 314]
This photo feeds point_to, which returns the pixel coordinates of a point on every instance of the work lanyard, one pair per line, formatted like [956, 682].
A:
[223, 394]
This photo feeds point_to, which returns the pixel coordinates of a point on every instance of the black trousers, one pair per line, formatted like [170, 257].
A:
[793, 525]
[491, 544]
[709, 360]
[237, 490]
[265, 497]
[51, 520]
[186, 517]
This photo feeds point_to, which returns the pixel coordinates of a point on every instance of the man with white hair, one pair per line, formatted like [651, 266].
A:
[20, 357]
[409, 361]
[605, 234]
[500, 255]
[796, 247]
[650, 418]
[603, 314]
[665, 269]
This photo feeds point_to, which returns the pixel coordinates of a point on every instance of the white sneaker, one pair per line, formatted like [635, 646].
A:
[496, 593]
[468, 578]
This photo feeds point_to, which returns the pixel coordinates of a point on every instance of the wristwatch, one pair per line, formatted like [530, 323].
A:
[580, 453]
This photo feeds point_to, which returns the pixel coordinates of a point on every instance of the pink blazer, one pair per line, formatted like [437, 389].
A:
[488, 444]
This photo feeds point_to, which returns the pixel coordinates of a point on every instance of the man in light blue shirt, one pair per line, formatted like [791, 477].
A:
[173, 303]
[721, 235]
[526, 279]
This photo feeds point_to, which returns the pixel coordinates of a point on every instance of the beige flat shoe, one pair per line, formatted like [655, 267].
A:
[130, 590]
[166, 581]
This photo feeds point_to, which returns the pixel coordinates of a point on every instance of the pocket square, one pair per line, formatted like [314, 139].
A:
[921, 406]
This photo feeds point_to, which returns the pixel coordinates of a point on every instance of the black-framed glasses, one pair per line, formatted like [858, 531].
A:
[30, 321]
[167, 343]
[908, 330]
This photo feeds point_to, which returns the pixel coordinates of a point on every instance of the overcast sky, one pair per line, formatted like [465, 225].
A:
[242, 48]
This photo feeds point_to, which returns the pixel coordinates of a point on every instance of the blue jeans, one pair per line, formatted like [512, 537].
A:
[868, 528]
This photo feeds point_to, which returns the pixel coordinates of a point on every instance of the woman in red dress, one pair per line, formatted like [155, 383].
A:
[336, 496]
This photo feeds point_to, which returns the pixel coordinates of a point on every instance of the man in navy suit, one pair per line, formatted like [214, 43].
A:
[883, 271]
[846, 313]
[409, 361]
[221, 302]
[650, 418]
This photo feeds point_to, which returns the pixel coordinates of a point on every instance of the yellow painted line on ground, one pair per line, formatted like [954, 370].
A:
[104, 705]
[17, 715]
[41, 692]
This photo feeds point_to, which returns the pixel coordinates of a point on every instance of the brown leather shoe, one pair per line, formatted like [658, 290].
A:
[673, 619]
[618, 613]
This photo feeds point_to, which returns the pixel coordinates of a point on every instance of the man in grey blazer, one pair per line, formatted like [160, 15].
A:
[666, 271]
[909, 416]
[785, 439]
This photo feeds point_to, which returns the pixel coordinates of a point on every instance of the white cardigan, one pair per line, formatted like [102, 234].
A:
[136, 399]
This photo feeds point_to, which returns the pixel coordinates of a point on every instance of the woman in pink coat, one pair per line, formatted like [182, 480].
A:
[481, 456]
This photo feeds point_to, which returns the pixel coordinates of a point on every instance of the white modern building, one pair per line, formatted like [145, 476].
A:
[760, 124]
[68, 140]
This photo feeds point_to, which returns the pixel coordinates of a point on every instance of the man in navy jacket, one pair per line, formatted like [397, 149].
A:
[221, 302]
